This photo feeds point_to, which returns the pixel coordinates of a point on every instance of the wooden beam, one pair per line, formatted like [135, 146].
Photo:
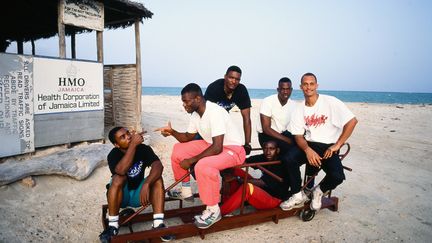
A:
[73, 52]
[99, 44]
[20, 46]
[119, 21]
[61, 30]
[138, 73]
[33, 47]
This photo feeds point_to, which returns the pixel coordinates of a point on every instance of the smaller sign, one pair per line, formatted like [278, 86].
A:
[85, 13]
[16, 104]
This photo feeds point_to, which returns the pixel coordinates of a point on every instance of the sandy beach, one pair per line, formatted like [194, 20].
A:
[386, 198]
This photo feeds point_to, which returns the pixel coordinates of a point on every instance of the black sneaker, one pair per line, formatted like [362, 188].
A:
[105, 236]
[164, 238]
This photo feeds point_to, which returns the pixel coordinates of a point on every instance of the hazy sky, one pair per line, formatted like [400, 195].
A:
[364, 45]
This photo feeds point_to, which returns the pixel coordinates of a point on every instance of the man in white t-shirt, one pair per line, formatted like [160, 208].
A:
[321, 124]
[220, 148]
[275, 115]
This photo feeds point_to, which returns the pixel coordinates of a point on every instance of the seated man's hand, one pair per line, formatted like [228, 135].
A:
[145, 194]
[166, 130]
[137, 138]
[187, 163]
[313, 158]
[247, 148]
[330, 151]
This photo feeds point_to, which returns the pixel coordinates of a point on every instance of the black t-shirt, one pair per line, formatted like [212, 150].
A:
[273, 187]
[144, 157]
[215, 93]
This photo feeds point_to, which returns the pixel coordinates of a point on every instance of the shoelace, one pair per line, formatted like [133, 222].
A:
[206, 214]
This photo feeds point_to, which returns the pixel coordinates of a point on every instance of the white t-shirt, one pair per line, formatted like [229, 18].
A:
[214, 122]
[280, 115]
[322, 122]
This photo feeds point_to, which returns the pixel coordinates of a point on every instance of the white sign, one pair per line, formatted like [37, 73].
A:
[85, 13]
[67, 86]
[16, 104]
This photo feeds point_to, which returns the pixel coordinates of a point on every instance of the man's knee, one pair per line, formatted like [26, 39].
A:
[202, 169]
[175, 152]
[338, 177]
[118, 181]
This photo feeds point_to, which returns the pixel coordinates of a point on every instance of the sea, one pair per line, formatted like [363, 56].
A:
[346, 96]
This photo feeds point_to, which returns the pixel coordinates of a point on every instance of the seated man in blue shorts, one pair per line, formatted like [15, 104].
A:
[127, 162]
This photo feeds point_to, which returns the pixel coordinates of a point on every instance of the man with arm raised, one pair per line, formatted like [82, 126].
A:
[220, 148]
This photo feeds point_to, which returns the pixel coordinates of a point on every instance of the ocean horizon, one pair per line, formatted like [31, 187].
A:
[346, 96]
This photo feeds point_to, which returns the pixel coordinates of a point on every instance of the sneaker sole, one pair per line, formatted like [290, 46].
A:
[295, 206]
[166, 240]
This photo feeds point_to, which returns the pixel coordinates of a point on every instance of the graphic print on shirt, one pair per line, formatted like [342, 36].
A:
[315, 120]
[226, 105]
[135, 169]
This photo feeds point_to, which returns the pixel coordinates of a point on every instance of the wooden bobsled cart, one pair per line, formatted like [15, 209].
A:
[129, 217]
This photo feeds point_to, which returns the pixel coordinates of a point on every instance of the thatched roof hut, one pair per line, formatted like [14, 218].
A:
[29, 20]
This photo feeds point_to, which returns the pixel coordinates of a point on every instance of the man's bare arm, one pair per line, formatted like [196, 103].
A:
[215, 148]
[346, 133]
[266, 126]
[126, 161]
[247, 127]
[180, 136]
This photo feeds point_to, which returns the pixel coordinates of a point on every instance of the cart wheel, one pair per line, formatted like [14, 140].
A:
[126, 212]
[307, 214]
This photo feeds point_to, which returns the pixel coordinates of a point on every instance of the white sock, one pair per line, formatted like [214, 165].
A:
[158, 218]
[318, 189]
[113, 221]
[186, 191]
[214, 208]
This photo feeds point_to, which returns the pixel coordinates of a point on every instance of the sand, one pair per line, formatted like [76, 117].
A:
[386, 198]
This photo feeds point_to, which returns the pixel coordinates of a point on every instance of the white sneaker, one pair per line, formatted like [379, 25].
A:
[317, 195]
[207, 219]
[295, 201]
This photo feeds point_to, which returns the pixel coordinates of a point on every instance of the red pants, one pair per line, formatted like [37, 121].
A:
[207, 169]
[256, 196]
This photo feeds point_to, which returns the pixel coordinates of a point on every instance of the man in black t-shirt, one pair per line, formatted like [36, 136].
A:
[229, 92]
[129, 187]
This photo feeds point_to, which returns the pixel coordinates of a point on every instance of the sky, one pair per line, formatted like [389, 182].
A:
[358, 45]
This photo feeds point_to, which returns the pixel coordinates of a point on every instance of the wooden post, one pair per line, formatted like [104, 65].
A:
[73, 52]
[33, 47]
[61, 30]
[20, 46]
[99, 44]
[138, 73]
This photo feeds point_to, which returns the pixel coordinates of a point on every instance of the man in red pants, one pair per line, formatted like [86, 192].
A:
[263, 193]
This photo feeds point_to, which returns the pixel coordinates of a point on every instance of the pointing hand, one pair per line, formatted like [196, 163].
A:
[166, 130]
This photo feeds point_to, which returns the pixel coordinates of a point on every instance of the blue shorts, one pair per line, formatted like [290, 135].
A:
[131, 198]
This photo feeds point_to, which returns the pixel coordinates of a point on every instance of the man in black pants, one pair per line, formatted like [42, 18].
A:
[321, 125]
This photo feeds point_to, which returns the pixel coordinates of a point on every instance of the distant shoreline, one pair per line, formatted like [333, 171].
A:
[346, 96]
